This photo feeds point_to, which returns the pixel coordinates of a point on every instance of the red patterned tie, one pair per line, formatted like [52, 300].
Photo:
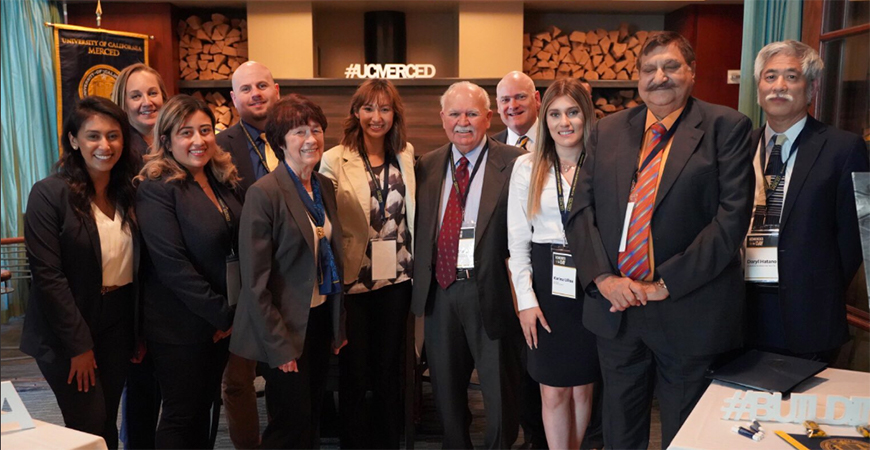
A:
[634, 261]
[448, 237]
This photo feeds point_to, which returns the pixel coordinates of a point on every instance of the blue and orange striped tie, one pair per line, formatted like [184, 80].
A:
[634, 261]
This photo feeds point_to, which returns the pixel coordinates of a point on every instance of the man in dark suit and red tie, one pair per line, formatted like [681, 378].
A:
[461, 281]
[664, 203]
[803, 247]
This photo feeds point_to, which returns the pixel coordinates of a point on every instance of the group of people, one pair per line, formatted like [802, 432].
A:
[578, 266]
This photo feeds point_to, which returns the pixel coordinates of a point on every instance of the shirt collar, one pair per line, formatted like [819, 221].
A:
[668, 121]
[470, 156]
[531, 134]
[255, 133]
[791, 134]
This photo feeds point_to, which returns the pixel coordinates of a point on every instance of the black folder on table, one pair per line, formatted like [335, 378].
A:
[763, 371]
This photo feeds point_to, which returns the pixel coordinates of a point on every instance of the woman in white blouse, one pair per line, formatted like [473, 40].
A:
[562, 355]
[81, 235]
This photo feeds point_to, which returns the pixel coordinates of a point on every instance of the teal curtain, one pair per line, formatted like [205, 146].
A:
[27, 105]
[764, 21]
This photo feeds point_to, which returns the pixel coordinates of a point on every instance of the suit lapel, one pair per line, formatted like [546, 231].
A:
[492, 183]
[683, 144]
[812, 139]
[358, 178]
[94, 234]
[295, 206]
[627, 149]
[239, 146]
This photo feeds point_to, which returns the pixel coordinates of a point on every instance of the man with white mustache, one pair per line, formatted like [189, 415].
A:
[804, 199]
[461, 282]
[518, 103]
[254, 92]
[663, 202]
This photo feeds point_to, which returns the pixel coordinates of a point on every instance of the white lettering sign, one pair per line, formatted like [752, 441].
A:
[392, 71]
[764, 406]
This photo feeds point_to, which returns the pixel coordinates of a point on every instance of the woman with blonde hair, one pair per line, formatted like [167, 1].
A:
[562, 354]
[140, 92]
[189, 199]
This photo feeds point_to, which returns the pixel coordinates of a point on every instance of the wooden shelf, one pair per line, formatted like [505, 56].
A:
[433, 82]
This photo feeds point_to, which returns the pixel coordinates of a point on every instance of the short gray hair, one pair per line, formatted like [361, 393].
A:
[467, 84]
[811, 63]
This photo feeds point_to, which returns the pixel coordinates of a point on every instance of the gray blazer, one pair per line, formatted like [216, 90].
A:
[276, 252]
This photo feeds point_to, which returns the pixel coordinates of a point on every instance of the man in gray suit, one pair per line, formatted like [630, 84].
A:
[460, 276]
[518, 103]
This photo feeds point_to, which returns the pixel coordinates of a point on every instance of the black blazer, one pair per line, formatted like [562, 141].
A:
[700, 218]
[234, 141]
[819, 241]
[278, 271]
[184, 274]
[66, 264]
[501, 136]
[490, 248]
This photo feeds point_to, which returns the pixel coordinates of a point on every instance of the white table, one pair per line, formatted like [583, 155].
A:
[47, 436]
[705, 429]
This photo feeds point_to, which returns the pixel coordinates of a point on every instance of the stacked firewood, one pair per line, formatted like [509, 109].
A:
[224, 112]
[609, 101]
[596, 55]
[211, 50]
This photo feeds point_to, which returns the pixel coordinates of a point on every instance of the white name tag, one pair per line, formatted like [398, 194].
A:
[384, 265]
[761, 258]
[564, 273]
[623, 240]
[465, 258]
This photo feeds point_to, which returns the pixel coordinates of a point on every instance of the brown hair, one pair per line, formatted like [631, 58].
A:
[369, 92]
[664, 39]
[120, 89]
[161, 164]
[290, 112]
[545, 155]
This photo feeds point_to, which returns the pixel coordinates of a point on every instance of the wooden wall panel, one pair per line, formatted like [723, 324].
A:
[155, 19]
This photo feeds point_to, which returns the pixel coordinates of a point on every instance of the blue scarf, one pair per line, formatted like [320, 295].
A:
[330, 283]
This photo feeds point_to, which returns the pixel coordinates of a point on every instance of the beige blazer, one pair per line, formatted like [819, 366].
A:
[347, 170]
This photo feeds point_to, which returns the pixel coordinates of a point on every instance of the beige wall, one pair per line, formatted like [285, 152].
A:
[433, 38]
[338, 41]
[490, 39]
[280, 35]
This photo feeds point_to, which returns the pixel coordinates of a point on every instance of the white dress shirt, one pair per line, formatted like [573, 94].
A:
[544, 228]
[116, 248]
[532, 134]
[764, 145]
[472, 204]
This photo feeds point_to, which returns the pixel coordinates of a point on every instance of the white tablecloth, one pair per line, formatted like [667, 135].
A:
[49, 437]
[705, 429]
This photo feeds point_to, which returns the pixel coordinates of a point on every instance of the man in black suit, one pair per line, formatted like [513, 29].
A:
[254, 92]
[518, 104]
[676, 173]
[804, 199]
[460, 277]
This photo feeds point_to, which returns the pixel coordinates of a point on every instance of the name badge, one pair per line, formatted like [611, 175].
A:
[564, 273]
[761, 258]
[465, 258]
[384, 265]
[626, 223]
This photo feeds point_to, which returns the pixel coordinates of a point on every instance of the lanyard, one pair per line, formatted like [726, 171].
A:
[227, 215]
[777, 179]
[463, 197]
[565, 209]
[658, 148]
[380, 194]
[256, 148]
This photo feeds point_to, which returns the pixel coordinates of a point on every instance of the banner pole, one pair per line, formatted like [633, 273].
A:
[99, 13]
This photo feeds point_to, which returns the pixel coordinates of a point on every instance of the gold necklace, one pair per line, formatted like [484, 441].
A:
[566, 167]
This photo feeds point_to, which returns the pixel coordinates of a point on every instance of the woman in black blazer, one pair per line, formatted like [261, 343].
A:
[290, 308]
[190, 206]
[82, 245]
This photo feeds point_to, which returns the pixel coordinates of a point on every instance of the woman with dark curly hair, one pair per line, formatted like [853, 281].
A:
[189, 207]
[81, 236]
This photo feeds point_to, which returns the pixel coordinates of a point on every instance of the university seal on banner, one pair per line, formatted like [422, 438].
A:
[98, 80]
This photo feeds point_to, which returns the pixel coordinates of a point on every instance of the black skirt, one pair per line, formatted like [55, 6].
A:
[568, 356]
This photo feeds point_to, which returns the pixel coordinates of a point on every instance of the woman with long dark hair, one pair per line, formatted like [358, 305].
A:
[189, 207]
[81, 236]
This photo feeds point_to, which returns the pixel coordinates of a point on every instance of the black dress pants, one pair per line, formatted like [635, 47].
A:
[140, 406]
[294, 399]
[96, 411]
[370, 362]
[190, 381]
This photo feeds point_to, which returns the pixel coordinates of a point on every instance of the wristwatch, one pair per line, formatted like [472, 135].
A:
[661, 283]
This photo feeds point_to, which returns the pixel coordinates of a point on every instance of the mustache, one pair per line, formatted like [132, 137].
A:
[783, 95]
[463, 129]
[652, 86]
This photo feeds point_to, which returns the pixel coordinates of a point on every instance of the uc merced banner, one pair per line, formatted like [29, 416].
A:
[88, 60]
